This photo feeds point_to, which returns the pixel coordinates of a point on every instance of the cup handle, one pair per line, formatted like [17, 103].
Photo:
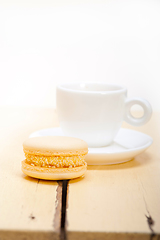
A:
[137, 121]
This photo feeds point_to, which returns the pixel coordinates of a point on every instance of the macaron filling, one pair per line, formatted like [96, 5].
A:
[55, 161]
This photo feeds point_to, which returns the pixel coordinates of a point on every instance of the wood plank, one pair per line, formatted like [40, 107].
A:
[118, 200]
[29, 208]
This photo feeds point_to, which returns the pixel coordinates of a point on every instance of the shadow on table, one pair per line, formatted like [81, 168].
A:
[40, 181]
[139, 161]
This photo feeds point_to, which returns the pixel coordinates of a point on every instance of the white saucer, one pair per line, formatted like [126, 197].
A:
[127, 144]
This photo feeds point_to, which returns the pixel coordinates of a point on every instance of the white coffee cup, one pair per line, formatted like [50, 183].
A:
[94, 112]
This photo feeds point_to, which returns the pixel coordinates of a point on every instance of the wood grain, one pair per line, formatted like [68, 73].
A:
[119, 201]
[111, 202]
[29, 208]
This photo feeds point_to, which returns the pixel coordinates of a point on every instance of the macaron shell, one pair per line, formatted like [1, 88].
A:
[55, 145]
[53, 174]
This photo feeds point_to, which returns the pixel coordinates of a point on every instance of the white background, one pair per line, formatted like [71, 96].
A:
[43, 43]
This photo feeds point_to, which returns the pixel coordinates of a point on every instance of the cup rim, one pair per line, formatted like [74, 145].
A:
[65, 87]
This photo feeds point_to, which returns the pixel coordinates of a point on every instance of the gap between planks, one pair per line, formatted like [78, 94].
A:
[64, 235]
[59, 222]
[62, 205]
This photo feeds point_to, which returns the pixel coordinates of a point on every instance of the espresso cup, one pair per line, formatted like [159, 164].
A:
[94, 112]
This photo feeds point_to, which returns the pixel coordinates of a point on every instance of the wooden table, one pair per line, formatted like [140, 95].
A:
[111, 202]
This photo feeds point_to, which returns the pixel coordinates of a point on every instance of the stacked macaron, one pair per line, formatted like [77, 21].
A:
[54, 157]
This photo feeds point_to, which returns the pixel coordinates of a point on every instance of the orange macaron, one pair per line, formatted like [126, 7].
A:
[54, 157]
